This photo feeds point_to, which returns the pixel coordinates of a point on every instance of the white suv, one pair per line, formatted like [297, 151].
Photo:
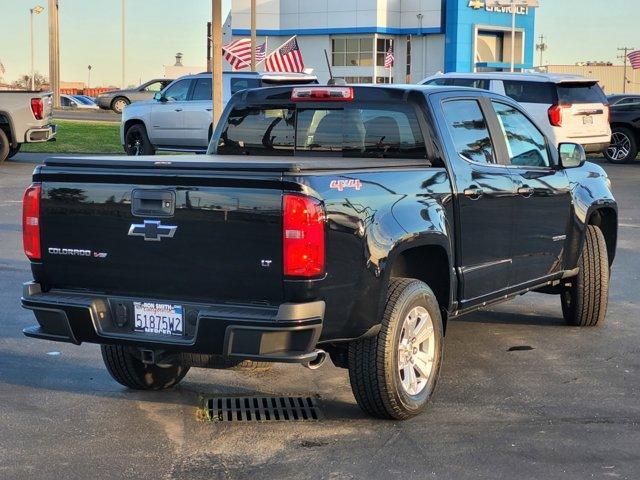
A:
[179, 117]
[570, 108]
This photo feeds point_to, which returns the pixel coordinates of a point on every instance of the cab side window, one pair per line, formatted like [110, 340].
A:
[469, 130]
[526, 145]
[178, 91]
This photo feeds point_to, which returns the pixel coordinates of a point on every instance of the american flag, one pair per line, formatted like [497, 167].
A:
[287, 58]
[634, 58]
[389, 58]
[238, 53]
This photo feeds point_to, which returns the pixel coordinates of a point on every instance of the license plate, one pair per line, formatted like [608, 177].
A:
[587, 120]
[160, 318]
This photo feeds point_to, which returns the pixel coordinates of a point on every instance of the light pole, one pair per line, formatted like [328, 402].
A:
[216, 60]
[33, 11]
[513, 4]
[122, 43]
[253, 36]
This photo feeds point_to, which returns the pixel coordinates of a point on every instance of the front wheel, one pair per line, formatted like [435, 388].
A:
[623, 147]
[128, 370]
[584, 301]
[14, 151]
[136, 141]
[5, 146]
[394, 374]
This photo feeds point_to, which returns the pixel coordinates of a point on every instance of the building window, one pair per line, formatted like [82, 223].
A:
[408, 58]
[357, 79]
[384, 80]
[352, 51]
[382, 47]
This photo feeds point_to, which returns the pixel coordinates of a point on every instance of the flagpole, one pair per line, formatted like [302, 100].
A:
[254, 42]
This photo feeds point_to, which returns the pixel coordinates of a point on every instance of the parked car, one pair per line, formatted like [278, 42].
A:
[87, 101]
[623, 99]
[570, 108]
[25, 117]
[73, 101]
[179, 119]
[116, 100]
[625, 126]
[353, 221]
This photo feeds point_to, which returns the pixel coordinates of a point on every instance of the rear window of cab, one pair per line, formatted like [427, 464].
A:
[355, 131]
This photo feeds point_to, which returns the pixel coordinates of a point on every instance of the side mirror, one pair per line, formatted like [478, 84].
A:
[572, 155]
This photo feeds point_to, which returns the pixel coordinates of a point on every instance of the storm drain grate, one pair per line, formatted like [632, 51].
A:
[263, 409]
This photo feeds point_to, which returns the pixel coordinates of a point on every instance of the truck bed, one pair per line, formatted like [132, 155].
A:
[236, 163]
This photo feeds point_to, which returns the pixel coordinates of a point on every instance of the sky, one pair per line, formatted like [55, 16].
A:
[575, 30]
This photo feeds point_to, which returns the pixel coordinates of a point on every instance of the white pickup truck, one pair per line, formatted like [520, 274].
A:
[25, 117]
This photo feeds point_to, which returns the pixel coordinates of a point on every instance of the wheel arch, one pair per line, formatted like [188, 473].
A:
[428, 260]
[606, 219]
[7, 126]
[117, 97]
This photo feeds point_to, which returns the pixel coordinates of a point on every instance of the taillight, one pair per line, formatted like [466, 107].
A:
[555, 114]
[303, 236]
[322, 94]
[31, 221]
[37, 107]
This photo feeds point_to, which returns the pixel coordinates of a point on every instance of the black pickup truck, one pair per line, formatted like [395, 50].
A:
[348, 221]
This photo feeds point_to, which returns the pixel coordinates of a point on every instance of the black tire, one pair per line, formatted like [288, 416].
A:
[5, 146]
[13, 151]
[374, 361]
[136, 141]
[218, 362]
[128, 370]
[118, 104]
[584, 302]
[624, 146]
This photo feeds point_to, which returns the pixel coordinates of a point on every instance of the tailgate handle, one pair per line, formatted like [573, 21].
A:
[153, 203]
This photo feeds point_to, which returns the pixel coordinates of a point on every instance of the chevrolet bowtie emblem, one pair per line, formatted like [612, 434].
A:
[152, 230]
[476, 4]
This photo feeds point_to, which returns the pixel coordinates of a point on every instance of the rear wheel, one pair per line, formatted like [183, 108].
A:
[584, 302]
[5, 146]
[394, 374]
[136, 141]
[119, 103]
[128, 370]
[623, 147]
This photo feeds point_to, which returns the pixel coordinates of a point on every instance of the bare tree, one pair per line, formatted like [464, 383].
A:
[25, 81]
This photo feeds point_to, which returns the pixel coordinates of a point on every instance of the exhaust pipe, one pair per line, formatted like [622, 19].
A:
[318, 361]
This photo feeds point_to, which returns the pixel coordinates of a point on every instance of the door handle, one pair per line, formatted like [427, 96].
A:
[209, 109]
[526, 192]
[178, 109]
[474, 193]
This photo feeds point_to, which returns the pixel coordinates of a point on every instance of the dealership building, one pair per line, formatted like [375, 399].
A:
[427, 36]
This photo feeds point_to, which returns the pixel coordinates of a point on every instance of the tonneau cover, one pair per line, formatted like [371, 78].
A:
[234, 163]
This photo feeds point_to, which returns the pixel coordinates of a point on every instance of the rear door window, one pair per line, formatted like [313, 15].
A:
[461, 82]
[202, 89]
[238, 84]
[469, 130]
[530, 92]
[572, 93]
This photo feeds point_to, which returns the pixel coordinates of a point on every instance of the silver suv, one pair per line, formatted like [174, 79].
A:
[179, 117]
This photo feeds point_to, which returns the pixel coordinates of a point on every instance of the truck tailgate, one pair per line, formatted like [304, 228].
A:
[166, 236]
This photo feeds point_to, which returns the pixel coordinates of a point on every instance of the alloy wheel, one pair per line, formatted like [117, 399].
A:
[416, 351]
[620, 146]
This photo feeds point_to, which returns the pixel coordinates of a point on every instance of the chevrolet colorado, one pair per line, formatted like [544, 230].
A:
[349, 221]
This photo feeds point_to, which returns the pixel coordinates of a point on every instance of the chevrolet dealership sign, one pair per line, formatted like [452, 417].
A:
[480, 4]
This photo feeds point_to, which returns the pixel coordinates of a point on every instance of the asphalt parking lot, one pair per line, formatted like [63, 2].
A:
[567, 407]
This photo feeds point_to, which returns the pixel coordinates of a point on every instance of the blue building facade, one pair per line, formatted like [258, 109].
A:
[427, 36]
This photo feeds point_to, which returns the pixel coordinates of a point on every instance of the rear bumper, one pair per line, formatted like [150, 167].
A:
[40, 134]
[596, 147]
[285, 333]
